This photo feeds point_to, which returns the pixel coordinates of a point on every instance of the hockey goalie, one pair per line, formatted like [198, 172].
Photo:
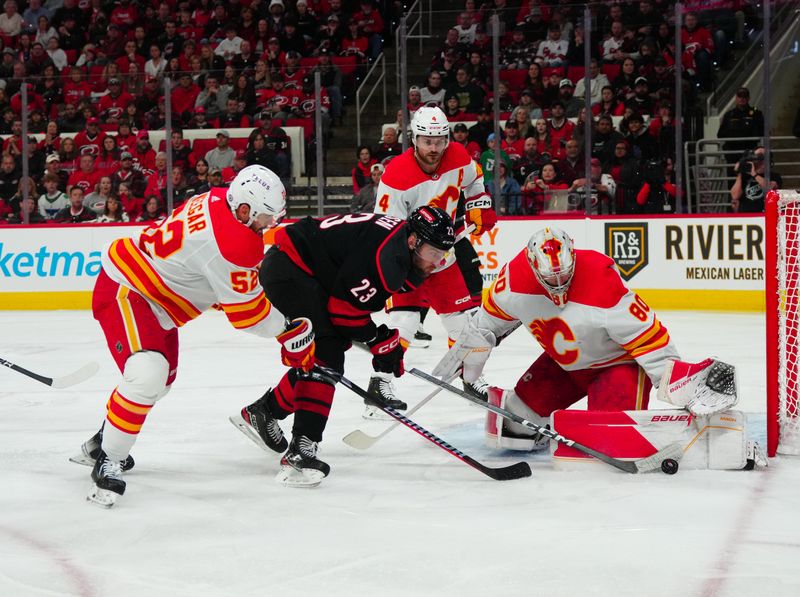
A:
[603, 342]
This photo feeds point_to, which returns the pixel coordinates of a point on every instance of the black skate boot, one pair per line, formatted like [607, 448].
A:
[90, 450]
[422, 339]
[478, 388]
[383, 391]
[300, 466]
[259, 425]
[108, 483]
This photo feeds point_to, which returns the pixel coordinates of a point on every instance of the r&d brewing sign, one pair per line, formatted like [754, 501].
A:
[626, 244]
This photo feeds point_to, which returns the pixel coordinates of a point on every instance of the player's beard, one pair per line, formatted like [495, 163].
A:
[429, 161]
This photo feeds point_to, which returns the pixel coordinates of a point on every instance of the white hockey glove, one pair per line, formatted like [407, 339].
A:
[472, 349]
[703, 388]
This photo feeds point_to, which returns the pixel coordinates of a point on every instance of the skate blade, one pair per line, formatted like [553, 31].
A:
[306, 479]
[102, 497]
[83, 459]
[373, 413]
[419, 344]
[248, 432]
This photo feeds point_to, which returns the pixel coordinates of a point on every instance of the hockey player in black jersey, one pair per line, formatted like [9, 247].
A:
[336, 271]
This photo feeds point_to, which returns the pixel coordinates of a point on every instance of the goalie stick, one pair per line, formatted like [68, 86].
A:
[505, 473]
[64, 381]
[362, 441]
[673, 451]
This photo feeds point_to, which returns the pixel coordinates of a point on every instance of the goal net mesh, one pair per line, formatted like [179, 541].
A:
[788, 333]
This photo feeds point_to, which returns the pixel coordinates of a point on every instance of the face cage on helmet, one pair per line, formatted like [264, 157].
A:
[553, 282]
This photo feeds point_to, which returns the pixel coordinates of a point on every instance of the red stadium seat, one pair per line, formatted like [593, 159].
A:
[611, 70]
[575, 73]
[305, 123]
[238, 143]
[548, 70]
[346, 64]
[308, 62]
[514, 77]
[203, 146]
[72, 56]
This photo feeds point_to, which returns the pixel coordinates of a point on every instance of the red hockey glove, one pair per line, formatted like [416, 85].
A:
[297, 344]
[387, 351]
[479, 211]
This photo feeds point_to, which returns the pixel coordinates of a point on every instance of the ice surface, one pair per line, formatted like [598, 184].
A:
[202, 515]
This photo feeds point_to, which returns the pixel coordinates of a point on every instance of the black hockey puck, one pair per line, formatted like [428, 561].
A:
[669, 466]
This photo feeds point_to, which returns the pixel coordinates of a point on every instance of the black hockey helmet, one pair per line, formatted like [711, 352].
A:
[432, 225]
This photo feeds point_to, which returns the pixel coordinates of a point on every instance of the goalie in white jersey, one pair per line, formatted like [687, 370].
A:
[206, 253]
[600, 340]
[441, 174]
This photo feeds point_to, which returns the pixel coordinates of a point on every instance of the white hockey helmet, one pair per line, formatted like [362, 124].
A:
[552, 258]
[262, 190]
[429, 121]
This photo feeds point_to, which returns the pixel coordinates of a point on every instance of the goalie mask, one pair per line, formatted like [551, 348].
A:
[552, 257]
[263, 191]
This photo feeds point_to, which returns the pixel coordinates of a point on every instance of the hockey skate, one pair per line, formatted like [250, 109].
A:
[300, 466]
[91, 449]
[507, 435]
[108, 483]
[259, 426]
[478, 388]
[383, 391]
[422, 339]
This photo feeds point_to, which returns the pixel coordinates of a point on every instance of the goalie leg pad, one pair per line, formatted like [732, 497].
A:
[503, 434]
[716, 442]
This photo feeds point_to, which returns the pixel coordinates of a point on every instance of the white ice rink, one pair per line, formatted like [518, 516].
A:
[202, 515]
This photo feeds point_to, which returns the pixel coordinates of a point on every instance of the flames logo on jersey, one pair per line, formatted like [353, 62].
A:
[545, 332]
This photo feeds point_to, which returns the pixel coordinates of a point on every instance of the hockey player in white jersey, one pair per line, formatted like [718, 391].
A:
[600, 340]
[206, 253]
[441, 174]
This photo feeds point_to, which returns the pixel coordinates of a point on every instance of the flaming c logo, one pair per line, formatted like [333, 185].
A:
[545, 331]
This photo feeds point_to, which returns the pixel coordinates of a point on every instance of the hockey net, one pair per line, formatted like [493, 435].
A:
[783, 321]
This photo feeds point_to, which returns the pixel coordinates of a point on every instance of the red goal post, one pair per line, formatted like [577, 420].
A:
[783, 321]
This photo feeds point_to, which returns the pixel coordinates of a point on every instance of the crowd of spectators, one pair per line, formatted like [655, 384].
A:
[541, 98]
[97, 69]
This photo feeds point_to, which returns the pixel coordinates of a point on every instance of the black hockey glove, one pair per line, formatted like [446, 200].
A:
[387, 351]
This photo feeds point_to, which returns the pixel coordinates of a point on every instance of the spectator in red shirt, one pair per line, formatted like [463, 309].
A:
[76, 89]
[184, 96]
[112, 105]
[513, 144]
[85, 177]
[158, 179]
[35, 101]
[698, 47]
[126, 140]
[144, 157]
[130, 203]
[91, 139]
[107, 161]
[124, 15]
[130, 56]
[354, 43]
[128, 175]
[239, 163]
[561, 129]
[371, 23]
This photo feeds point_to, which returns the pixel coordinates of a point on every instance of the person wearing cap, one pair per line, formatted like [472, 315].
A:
[641, 102]
[529, 109]
[90, 140]
[222, 155]
[364, 201]
[513, 143]
[214, 29]
[643, 144]
[560, 129]
[743, 120]
[552, 52]
[239, 163]
[331, 79]
[330, 35]
[127, 174]
[461, 136]
[487, 161]
[566, 94]
[144, 156]
[112, 105]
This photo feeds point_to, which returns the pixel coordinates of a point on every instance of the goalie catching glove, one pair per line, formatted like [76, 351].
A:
[471, 350]
[703, 388]
[387, 351]
[297, 344]
[479, 212]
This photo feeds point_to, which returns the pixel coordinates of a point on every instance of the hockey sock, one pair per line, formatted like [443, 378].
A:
[125, 419]
[281, 400]
[313, 406]
[454, 323]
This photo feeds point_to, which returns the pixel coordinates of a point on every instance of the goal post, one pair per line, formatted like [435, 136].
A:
[782, 254]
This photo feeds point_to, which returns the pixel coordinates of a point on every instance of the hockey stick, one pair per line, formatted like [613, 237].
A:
[673, 451]
[362, 441]
[64, 381]
[505, 473]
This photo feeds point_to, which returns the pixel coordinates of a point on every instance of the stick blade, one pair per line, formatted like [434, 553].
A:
[520, 470]
[76, 377]
[651, 463]
[359, 440]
